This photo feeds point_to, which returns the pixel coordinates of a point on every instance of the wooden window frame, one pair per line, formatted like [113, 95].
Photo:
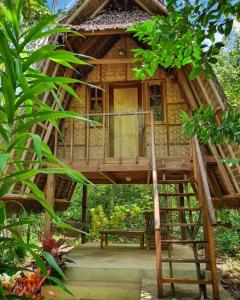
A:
[88, 97]
[162, 83]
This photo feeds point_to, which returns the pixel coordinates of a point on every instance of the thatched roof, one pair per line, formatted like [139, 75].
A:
[89, 15]
[114, 19]
[83, 10]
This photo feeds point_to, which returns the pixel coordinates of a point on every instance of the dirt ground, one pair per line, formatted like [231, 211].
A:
[230, 275]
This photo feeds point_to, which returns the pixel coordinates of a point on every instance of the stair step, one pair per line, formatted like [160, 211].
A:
[182, 224]
[175, 181]
[184, 241]
[187, 281]
[180, 260]
[179, 209]
[177, 194]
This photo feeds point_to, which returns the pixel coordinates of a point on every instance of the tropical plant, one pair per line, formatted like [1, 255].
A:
[59, 250]
[227, 69]
[188, 34]
[228, 238]
[21, 106]
[23, 285]
[99, 221]
[16, 247]
[22, 86]
[118, 217]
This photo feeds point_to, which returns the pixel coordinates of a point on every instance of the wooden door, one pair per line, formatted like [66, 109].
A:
[124, 129]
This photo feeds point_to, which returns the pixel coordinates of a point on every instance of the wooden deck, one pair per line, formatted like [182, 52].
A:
[134, 170]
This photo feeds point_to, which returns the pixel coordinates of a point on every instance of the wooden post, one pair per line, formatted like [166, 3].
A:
[157, 226]
[50, 196]
[84, 213]
[182, 212]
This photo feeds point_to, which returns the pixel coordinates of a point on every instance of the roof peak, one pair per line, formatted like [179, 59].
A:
[86, 9]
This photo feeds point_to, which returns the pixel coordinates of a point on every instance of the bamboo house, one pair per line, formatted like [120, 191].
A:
[138, 138]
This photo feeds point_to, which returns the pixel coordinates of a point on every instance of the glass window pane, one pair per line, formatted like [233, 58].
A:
[156, 100]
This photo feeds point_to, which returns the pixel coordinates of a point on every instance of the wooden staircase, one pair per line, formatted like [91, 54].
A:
[187, 225]
[190, 222]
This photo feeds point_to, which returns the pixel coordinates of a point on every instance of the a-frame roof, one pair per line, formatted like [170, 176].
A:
[86, 9]
[200, 91]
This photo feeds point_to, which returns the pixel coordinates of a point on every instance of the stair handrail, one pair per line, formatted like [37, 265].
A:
[157, 223]
[201, 179]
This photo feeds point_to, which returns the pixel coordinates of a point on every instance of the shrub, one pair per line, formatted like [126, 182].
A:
[99, 221]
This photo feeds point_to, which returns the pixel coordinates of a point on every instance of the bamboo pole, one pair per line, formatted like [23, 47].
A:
[157, 226]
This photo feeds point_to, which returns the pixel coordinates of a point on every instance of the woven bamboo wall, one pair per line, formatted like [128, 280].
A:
[168, 135]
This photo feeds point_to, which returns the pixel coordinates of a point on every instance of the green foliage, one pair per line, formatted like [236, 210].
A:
[228, 71]
[228, 239]
[187, 35]
[203, 124]
[118, 217]
[21, 107]
[99, 221]
[120, 206]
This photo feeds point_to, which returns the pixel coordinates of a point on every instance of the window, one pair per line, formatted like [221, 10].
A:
[155, 92]
[96, 104]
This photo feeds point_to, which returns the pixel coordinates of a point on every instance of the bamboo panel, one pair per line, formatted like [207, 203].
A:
[79, 133]
[131, 44]
[173, 93]
[115, 72]
[64, 152]
[179, 150]
[94, 75]
[160, 135]
[79, 152]
[174, 113]
[114, 51]
[96, 143]
[175, 135]
[161, 150]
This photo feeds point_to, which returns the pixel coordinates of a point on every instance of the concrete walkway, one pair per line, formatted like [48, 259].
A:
[124, 272]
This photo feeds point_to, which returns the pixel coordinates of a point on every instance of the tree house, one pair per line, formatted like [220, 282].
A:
[137, 135]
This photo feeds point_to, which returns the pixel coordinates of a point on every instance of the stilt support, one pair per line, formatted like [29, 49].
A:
[50, 196]
[84, 213]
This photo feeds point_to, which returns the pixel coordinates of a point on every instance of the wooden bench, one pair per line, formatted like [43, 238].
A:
[119, 232]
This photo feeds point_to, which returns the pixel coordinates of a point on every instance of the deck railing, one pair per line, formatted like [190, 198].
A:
[110, 135]
[119, 136]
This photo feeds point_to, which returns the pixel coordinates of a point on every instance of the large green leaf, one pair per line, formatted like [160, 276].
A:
[35, 90]
[38, 55]
[3, 213]
[37, 142]
[35, 31]
[38, 117]
[8, 93]
[58, 282]
[4, 158]
[52, 262]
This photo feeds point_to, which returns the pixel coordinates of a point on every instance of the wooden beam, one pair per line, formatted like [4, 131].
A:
[157, 226]
[102, 32]
[84, 213]
[50, 195]
[223, 172]
[110, 177]
[187, 91]
[235, 196]
[203, 182]
[214, 182]
[77, 11]
[109, 61]
[100, 8]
